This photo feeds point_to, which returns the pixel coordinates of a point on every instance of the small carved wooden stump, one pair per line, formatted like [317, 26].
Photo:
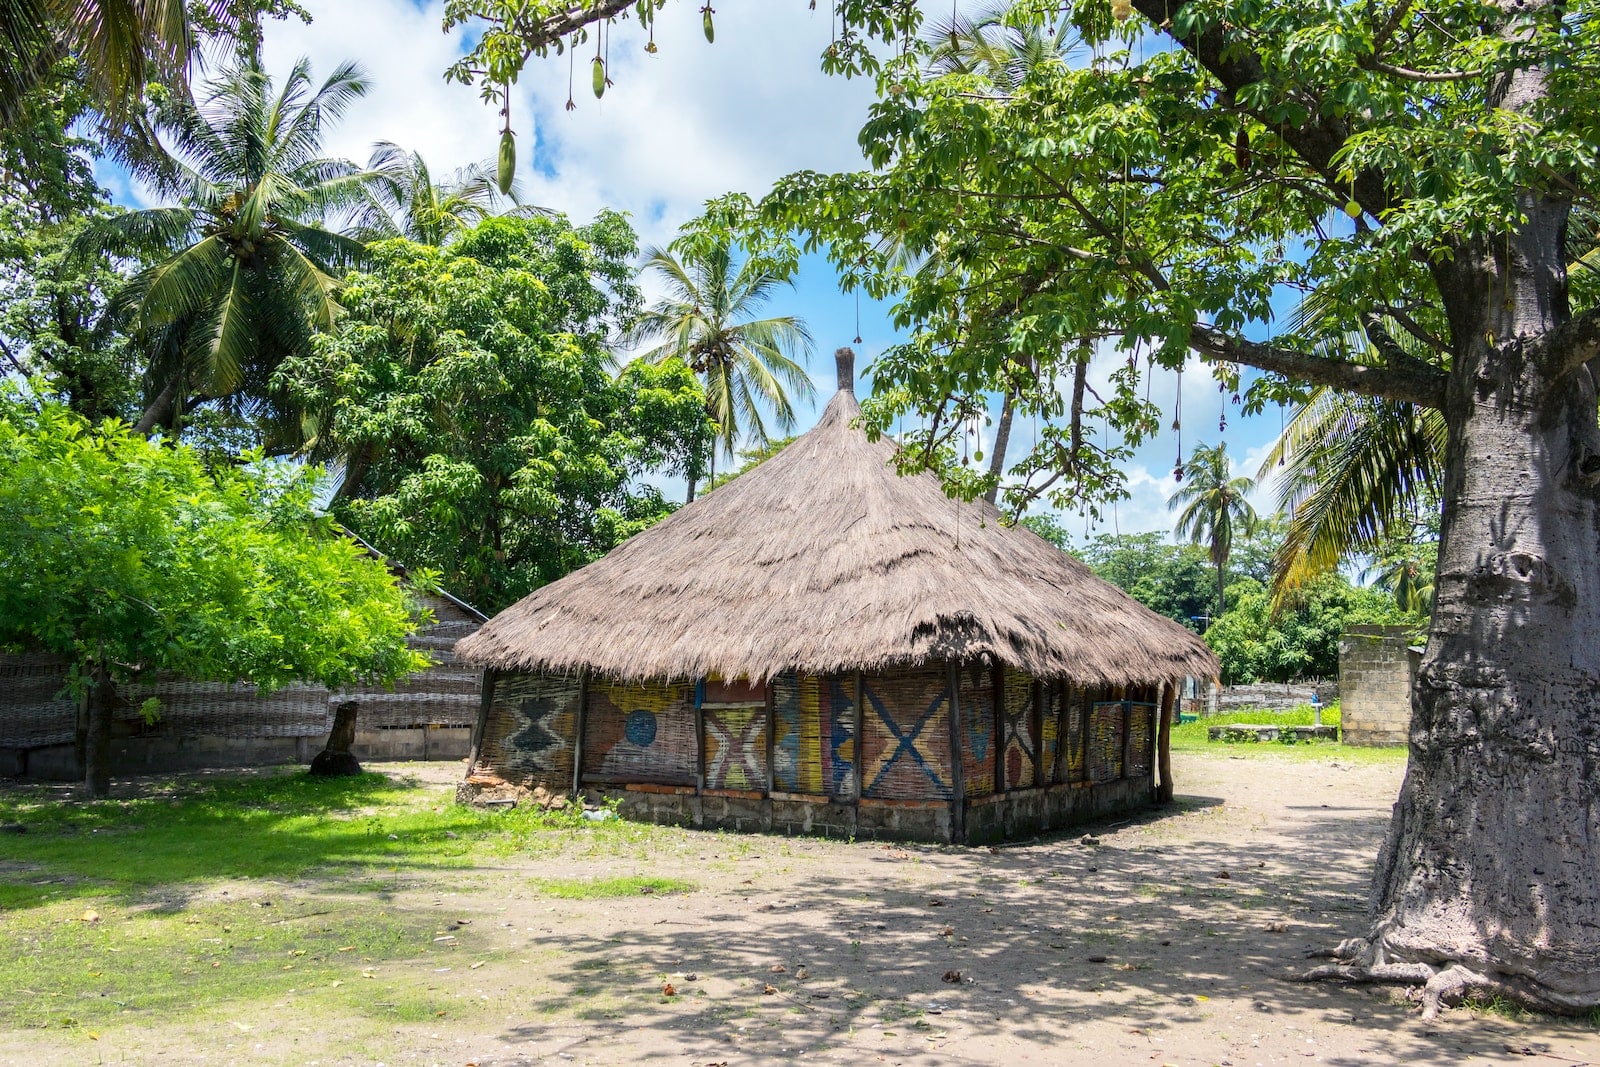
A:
[335, 760]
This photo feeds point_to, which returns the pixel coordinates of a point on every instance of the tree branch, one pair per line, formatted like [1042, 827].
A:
[1570, 345]
[1414, 381]
[540, 35]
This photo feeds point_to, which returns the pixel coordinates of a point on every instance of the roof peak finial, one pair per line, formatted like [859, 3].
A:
[845, 358]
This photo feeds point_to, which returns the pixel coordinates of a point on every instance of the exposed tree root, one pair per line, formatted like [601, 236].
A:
[1360, 961]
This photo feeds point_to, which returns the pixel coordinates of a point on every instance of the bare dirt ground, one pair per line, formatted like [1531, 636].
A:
[1164, 940]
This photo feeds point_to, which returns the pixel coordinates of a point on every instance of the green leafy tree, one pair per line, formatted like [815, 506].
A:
[705, 320]
[241, 270]
[130, 556]
[1429, 166]
[466, 397]
[1171, 580]
[51, 300]
[1214, 509]
[1260, 642]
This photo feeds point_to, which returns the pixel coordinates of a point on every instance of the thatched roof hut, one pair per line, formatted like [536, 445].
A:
[824, 563]
[824, 559]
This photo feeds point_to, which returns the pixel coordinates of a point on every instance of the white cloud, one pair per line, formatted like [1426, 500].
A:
[691, 122]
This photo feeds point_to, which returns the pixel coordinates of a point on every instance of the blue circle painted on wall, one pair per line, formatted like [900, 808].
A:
[640, 727]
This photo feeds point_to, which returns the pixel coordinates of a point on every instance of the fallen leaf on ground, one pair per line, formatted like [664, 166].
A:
[768, 990]
[946, 931]
[778, 968]
[668, 989]
[91, 916]
[952, 976]
[800, 973]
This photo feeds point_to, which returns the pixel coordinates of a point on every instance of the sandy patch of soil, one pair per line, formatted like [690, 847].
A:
[1163, 940]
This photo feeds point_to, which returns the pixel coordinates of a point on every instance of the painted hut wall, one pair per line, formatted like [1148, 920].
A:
[529, 729]
[640, 734]
[736, 746]
[813, 724]
[906, 747]
[1050, 732]
[978, 732]
[1020, 748]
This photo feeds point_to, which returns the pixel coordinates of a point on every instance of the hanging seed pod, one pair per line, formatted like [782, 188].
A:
[1122, 10]
[597, 75]
[1352, 209]
[706, 25]
[508, 161]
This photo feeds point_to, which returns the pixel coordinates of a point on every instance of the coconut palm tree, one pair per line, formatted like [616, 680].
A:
[1354, 473]
[745, 363]
[1214, 508]
[241, 271]
[122, 46]
[405, 201]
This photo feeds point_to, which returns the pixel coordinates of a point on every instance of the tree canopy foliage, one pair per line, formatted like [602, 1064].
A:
[467, 396]
[128, 555]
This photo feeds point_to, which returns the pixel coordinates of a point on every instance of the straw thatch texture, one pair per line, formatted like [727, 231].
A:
[823, 560]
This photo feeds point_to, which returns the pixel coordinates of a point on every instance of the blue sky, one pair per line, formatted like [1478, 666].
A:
[689, 123]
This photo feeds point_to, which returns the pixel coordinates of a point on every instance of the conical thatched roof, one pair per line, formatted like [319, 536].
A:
[823, 559]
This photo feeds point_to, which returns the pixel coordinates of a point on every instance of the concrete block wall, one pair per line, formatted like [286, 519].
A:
[1376, 673]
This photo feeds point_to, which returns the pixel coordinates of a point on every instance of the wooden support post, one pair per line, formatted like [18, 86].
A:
[772, 727]
[1002, 725]
[1036, 725]
[856, 767]
[699, 737]
[1127, 732]
[1164, 744]
[484, 703]
[582, 726]
[958, 799]
[1086, 714]
[1063, 702]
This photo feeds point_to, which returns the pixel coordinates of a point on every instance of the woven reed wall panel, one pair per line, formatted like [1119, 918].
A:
[448, 693]
[977, 729]
[533, 720]
[1105, 742]
[635, 733]
[905, 745]
[217, 709]
[1021, 747]
[1050, 740]
[34, 709]
[1140, 724]
[814, 723]
[736, 747]
[1074, 768]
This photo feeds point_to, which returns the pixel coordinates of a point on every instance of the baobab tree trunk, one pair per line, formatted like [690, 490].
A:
[1490, 874]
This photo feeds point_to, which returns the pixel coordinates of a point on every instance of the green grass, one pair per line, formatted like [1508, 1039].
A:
[1192, 736]
[65, 971]
[594, 888]
[366, 831]
[193, 897]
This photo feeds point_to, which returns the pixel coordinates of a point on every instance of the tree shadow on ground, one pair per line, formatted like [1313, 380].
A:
[1068, 943]
[164, 838]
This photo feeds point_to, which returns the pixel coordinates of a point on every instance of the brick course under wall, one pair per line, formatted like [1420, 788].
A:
[1376, 673]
